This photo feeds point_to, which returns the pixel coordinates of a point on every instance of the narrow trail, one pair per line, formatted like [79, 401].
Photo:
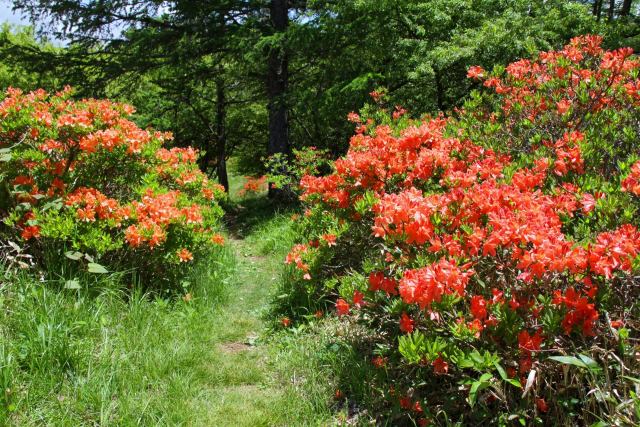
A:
[251, 376]
[246, 385]
[243, 391]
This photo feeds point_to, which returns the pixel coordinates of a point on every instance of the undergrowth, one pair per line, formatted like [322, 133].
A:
[103, 354]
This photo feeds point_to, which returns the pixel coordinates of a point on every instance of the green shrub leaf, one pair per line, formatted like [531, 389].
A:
[96, 268]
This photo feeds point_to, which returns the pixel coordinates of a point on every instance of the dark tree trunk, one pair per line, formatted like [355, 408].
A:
[626, 8]
[612, 5]
[221, 133]
[277, 82]
[597, 9]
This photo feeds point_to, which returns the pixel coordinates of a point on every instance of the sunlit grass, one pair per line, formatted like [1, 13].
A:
[111, 354]
[103, 356]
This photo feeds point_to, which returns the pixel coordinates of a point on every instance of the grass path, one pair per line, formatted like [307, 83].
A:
[103, 356]
[253, 371]
[242, 388]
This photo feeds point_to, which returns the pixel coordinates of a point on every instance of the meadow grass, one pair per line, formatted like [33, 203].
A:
[109, 353]
[106, 355]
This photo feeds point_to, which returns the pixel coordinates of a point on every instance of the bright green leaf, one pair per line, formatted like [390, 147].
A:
[72, 284]
[97, 268]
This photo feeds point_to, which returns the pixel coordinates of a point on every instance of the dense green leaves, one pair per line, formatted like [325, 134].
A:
[200, 68]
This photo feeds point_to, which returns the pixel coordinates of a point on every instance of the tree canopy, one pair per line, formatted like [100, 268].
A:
[258, 77]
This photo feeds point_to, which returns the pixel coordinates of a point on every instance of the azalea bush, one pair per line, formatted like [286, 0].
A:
[253, 185]
[81, 181]
[492, 255]
[285, 172]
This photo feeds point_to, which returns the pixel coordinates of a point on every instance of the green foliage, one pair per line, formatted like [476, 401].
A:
[416, 347]
[418, 50]
[205, 78]
[17, 70]
[150, 209]
[286, 172]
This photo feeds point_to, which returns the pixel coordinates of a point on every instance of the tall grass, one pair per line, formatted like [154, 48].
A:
[105, 353]
[109, 353]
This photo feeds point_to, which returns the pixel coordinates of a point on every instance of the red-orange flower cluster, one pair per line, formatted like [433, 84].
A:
[501, 243]
[87, 161]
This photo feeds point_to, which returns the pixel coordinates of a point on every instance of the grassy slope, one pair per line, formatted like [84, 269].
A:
[73, 358]
[101, 356]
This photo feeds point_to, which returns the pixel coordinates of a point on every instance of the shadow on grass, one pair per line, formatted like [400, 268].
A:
[246, 215]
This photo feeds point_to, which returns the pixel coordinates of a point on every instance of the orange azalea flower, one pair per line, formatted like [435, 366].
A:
[192, 214]
[207, 193]
[253, 185]
[133, 237]
[478, 307]
[542, 405]
[406, 323]
[30, 232]
[218, 239]
[529, 343]
[405, 402]
[440, 366]
[185, 255]
[342, 307]
[617, 324]
[631, 182]
[353, 117]
[158, 237]
[358, 298]
[475, 72]
[563, 106]
[379, 361]
[329, 238]
[86, 215]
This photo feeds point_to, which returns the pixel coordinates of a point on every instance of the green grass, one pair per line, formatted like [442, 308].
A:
[108, 354]
[256, 378]
[119, 357]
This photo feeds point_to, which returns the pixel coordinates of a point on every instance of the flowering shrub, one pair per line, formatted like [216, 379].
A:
[80, 177]
[253, 185]
[286, 172]
[490, 252]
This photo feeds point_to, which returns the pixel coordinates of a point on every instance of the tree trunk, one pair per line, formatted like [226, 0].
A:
[597, 8]
[626, 8]
[612, 5]
[221, 133]
[277, 82]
